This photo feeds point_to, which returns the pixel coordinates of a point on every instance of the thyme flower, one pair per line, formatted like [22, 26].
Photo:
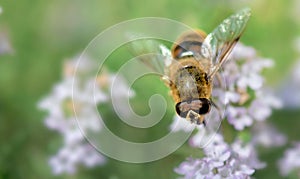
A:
[62, 105]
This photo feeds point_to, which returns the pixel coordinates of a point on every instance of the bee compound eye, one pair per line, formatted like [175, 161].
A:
[206, 105]
[201, 106]
[181, 109]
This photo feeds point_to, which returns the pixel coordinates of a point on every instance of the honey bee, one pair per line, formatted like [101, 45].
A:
[196, 59]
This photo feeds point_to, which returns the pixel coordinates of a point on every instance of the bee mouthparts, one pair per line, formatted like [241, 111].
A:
[194, 117]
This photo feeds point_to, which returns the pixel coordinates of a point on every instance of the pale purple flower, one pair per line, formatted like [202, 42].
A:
[225, 97]
[238, 117]
[267, 135]
[70, 156]
[243, 52]
[222, 160]
[290, 161]
[242, 73]
[290, 89]
[248, 73]
[5, 45]
[247, 154]
[71, 108]
[195, 168]
[253, 81]
[261, 107]
[218, 151]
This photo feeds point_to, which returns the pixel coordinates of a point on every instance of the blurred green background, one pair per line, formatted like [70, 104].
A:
[44, 33]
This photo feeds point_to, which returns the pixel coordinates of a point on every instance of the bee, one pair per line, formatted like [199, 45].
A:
[188, 78]
[195, 60]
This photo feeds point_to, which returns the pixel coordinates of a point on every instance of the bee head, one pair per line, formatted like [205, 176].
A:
[193, 109]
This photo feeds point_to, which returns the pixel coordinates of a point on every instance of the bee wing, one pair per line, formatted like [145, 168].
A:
[218, 44]
[154, 55]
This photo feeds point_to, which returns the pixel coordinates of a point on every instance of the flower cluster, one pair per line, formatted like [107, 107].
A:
[240, 93]
[246, 99]
[222, 160]
[71, 107]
